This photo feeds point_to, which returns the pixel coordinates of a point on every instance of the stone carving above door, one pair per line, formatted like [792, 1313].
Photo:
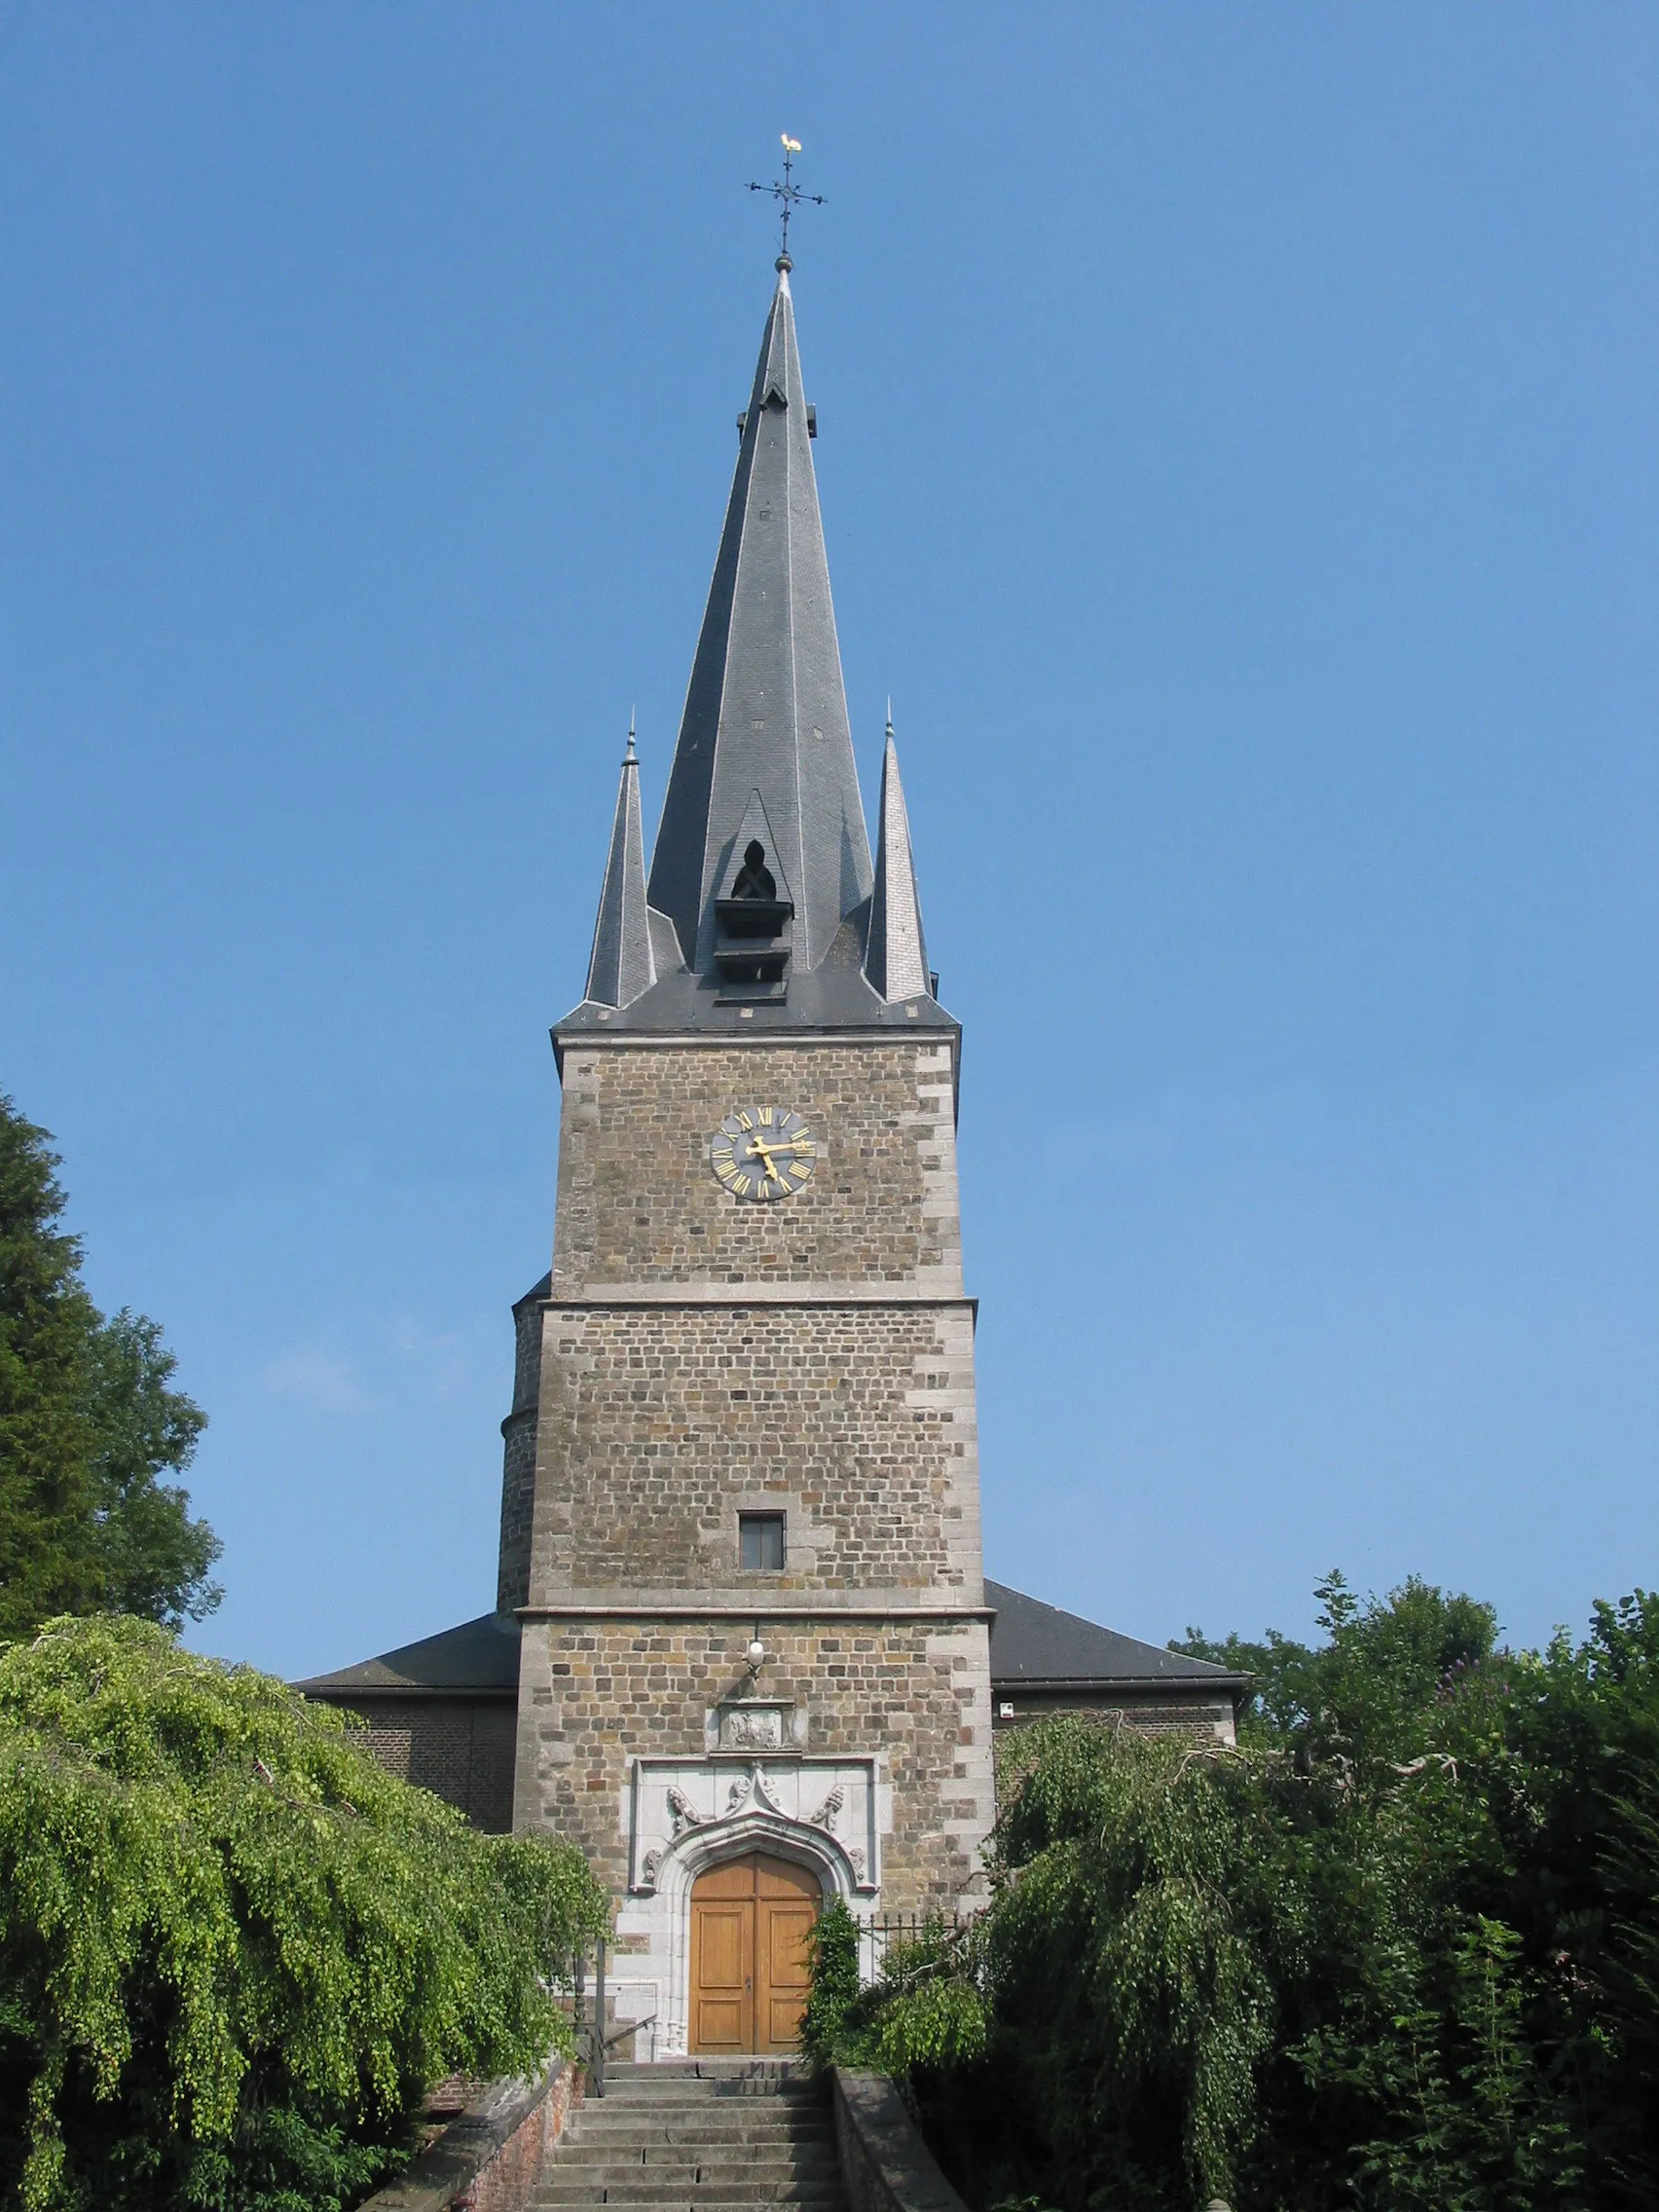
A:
[828, 1808]
[753, 1728]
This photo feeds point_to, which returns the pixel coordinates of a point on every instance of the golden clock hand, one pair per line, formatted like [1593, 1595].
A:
[759, 1150]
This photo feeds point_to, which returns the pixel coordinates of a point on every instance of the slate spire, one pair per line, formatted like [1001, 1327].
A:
[767, 710]
[623, 965]
[895, 958]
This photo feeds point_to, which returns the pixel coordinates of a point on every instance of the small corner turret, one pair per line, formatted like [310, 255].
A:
[622, 966]
[895, 958]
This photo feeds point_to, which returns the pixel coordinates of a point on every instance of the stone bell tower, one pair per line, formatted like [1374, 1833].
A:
[741, 1519]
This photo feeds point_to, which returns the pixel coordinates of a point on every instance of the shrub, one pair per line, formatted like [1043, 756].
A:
[234, 1952]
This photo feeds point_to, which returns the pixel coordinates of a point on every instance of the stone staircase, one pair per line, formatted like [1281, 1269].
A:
[702, 2133]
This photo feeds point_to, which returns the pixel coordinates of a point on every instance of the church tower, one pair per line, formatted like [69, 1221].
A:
[741, 1513]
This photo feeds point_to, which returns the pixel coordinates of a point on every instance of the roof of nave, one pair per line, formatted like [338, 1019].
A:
[478, 1656]
[1033, 1646]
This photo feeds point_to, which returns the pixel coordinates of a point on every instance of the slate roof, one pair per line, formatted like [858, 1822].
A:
[766, 709]
[480, 1656]
[1033, 1646]
[1037, 1646]
[764, 735]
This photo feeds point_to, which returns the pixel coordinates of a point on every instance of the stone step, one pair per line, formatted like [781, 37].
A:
[695, 2200]
[716, 2088]
[711, 2101]
[704, 2173]
[705, 2063]
[732, 2121]
[782, 2110]
[734, 2177]
[734, 2089]
[702, 2134]
[693, 2128]
[612, 2163]
[579, 2190]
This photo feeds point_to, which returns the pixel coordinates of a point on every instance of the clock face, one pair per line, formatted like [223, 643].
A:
[763, 1151]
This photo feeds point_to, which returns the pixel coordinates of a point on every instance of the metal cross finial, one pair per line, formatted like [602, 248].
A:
[789, 194]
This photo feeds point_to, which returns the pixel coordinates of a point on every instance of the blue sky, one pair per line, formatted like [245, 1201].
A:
[1238, 461]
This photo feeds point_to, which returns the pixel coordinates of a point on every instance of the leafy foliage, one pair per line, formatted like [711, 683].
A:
[924, 2011]
[89, 1423]
[1401, 1947]
[234, 1952]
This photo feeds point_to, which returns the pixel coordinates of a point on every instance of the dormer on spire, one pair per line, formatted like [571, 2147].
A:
[895, 959]
[623, 966]
[753, 914]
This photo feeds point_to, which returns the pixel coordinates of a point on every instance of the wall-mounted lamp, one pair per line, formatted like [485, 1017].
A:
[756, 1654]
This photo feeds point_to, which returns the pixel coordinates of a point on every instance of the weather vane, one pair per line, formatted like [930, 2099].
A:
[786, 190]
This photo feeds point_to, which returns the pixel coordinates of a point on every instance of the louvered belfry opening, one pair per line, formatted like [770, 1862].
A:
[752, 930]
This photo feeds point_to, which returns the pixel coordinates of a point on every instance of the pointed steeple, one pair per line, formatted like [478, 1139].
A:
[896, 960]
[623, 965]
[767, 710]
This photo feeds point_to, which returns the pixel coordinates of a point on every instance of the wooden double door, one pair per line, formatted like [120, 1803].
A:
[752, 1920]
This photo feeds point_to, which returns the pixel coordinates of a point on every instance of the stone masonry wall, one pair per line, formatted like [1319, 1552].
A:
[638, 1202]
[518, 1459]
[598, 1692]
[659, 1424]
[518, 1503]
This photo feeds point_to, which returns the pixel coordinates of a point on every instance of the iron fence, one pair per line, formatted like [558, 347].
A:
[882, 1932]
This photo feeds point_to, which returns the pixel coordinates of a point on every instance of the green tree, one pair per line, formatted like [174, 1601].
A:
[1400, 1947]
[88, 1427]
[234, 1951]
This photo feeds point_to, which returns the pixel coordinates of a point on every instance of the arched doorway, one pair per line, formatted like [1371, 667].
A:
[750, 1919]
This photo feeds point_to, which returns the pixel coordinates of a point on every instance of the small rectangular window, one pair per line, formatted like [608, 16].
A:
[760, 1541]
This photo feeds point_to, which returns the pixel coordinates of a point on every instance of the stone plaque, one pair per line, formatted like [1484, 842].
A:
[753, 1728]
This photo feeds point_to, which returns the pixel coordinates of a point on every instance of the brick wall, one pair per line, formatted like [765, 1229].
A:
[1209, 1717]
[460, 1748]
